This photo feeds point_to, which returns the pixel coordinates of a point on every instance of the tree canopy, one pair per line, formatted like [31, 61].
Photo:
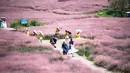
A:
[121, 5]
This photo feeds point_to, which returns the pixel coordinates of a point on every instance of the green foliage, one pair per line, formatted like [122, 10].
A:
[103, 13]
[27, 25]
[32, 49]
[48, 37]
[121, 5]
[86, 52]
[62, 37]
[34, 23]
[119, 8]
[17, 24]
[116, 8]
[111, 13]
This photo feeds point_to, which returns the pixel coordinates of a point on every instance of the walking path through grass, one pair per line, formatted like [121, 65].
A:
[77, 57]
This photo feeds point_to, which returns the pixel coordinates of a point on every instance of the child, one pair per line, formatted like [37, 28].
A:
[41, 36]
[57, 31]
[27, 32]
[78, 33]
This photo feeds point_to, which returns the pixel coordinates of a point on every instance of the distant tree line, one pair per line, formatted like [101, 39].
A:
[121, 5]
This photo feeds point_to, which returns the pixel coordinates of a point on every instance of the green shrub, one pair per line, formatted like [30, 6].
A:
[117, 14]
[112, 13]
[34, 23]
[14, 25]
[86, 51]
[32, 49]
[103, 13]
[121, 5]
[18, 24]
[27, 25]
[48, 37]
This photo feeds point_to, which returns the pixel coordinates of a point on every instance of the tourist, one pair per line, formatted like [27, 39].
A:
[65, 48]
[67, 34]
[40, 36]
[72, 50]
[78, 33]
[27, 32]
[57, 31]
[3, 22]
[53, 40]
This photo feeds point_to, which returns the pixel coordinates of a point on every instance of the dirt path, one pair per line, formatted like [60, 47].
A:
[77, 57]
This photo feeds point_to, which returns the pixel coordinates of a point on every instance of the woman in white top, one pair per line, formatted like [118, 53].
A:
[72, 49]
[3, 23]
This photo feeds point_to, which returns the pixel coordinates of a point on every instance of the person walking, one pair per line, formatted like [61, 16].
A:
[3, 23]
[53, 40]
[65, 48]
[67, 35]
[41, 36]
[72, 49]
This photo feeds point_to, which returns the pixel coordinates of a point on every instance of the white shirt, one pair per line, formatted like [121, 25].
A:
[3, 24]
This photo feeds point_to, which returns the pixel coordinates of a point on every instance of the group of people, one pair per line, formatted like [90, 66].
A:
[67, 49]
[53, 40]
[3, 22]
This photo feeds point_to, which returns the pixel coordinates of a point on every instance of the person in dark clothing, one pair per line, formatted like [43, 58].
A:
[65, 48]
[53, 40]
[71, 42]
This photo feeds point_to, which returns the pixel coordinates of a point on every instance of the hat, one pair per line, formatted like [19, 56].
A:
[58, 29]
[78, 30]
[127, 12]
[3, 17]
[69, 32]
[34, 31]
[40, 32]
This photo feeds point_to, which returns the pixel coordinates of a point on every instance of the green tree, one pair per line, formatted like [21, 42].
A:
[120, 5]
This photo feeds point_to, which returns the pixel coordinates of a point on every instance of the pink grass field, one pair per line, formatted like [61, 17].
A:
[111, 36]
